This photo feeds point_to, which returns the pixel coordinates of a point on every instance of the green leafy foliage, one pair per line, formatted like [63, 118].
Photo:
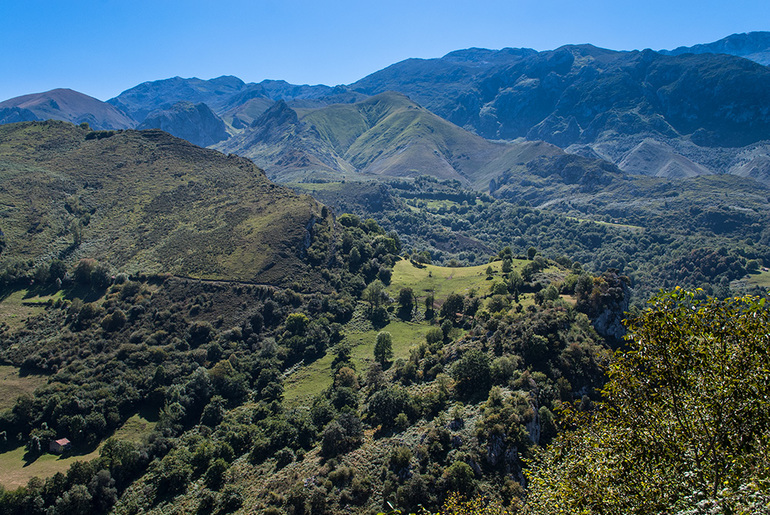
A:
[670, 239]
[683, 421]
[383, 348]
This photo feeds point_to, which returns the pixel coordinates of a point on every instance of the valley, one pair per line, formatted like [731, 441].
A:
[499, 281]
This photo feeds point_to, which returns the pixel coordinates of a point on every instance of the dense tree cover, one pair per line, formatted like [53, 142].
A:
[476, 407]
[683, 422]
[191, 351]
[691, 240]
[210, 358]
[465, 412]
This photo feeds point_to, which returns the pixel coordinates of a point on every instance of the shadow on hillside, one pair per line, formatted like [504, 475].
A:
[29, 457]
[149, 413]
[84, 293]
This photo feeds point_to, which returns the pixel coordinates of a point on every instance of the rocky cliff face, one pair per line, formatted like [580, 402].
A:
[606, 301]
[194, 122]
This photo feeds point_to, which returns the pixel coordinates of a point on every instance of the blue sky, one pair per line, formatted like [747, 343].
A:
[102, 47]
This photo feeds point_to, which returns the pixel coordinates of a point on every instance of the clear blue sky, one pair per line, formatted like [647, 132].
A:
[102, 47]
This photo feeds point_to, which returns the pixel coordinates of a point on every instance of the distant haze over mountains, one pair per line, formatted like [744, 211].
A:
[752, 45]
[67, 105]
[386, 135]
[677, 114]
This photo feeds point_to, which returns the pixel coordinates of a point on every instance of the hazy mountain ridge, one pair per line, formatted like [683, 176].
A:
[688, 114]
[751, 45]
[582, 93]
[140, 100]
[387, 135]
[585, 98]
[194, 122]
[70, 106]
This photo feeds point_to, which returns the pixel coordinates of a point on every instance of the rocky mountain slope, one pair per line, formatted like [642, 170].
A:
[193, 122]
[600, 102]
[752, 45]
[387, 135]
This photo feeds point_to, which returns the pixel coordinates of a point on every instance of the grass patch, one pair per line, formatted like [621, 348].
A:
[435, 205]
[405, 336]
[12, 385]
[301, 386]
[442, 280]
[16, 470]
[310, 380]
[135, 428]
[17, 308]
[311, 187]
[610, 224]
[761, 278]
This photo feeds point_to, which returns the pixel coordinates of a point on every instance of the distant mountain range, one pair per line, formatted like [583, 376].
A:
[752, 45]
[66, 105]
[386, 135]
[677, 114]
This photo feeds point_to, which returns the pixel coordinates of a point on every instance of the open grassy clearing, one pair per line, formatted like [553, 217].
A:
[309, 187]
[760, 279]
[16, 471]
[12, 385]
[756, 279]
[442, 281]
[308, 381]
[435, 205]
[405, 336]
[610, 224]
[18, 306]
[135, 428]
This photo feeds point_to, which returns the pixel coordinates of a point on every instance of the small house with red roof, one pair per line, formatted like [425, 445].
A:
[59, 446]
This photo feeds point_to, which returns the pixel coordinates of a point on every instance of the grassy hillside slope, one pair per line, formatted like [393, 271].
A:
[387, 135]
[145, 202]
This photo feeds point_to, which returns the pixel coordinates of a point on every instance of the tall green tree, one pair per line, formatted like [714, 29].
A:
[383, 348]
[684, 421]
[405, 303]
[374, 294]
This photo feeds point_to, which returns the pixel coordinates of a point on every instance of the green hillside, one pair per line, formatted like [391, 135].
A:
[385, 136]
[145, 202]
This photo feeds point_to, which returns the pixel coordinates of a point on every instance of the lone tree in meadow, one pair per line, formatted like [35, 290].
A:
[405, 303]
[374, 294]
[383, 349]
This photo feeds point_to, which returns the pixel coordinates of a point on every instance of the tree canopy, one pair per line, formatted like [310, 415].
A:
[683, 422]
